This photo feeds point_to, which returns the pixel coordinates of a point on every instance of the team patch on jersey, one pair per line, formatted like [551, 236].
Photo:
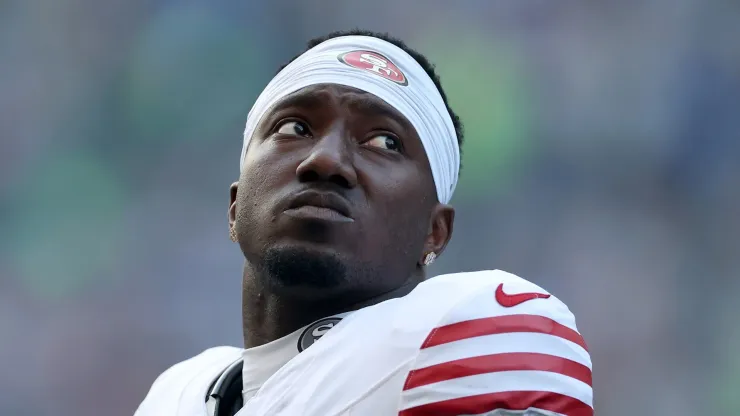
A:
[315, 331]
[375, 63]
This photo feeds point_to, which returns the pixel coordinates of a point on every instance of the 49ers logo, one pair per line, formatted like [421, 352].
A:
[315, 331]
[375, 63]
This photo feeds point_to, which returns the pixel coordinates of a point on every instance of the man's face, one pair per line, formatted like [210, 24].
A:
[336, 194]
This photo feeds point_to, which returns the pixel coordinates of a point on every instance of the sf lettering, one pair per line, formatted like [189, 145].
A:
[378, 64]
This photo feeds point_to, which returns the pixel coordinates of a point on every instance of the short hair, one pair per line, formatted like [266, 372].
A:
[421, 59]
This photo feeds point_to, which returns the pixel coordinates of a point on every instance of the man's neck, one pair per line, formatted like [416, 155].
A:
[267, 316]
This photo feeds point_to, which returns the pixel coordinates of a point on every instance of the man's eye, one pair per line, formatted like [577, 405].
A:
[385, 141]
[295, 128]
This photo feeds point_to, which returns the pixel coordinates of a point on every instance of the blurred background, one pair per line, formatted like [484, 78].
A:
[602, 161]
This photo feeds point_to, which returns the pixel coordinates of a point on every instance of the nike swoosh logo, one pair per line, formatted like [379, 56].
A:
[508, 301]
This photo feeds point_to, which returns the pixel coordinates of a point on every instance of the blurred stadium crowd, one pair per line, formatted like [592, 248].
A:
[602, 162]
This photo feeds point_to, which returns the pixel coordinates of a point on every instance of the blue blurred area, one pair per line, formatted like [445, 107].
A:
[602, 161]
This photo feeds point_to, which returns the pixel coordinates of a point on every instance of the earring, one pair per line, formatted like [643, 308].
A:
[429, 258]
[232, 234]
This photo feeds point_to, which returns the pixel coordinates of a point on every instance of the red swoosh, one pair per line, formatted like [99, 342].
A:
[508, 301]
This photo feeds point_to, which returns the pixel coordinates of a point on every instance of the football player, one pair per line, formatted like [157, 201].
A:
[351, 155]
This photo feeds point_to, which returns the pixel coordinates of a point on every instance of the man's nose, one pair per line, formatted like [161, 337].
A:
[330, 159]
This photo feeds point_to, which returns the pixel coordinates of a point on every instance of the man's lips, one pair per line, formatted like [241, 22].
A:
[319, 205]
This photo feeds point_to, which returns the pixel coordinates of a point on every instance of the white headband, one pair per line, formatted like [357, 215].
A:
[386, 71]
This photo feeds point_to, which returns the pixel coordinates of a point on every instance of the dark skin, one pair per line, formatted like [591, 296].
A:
[334, 210]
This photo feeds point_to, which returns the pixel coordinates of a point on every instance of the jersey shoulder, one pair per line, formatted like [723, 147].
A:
[487, 293]
[181, 389]
[498, 343]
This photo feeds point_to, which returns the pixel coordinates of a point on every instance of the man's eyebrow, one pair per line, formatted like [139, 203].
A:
[301, 100]
[374, 108]
[364, 104]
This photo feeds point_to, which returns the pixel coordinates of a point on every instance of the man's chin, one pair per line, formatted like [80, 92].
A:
[304, 267]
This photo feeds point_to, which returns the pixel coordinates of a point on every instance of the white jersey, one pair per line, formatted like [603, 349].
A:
[181, 390]
[481, 343]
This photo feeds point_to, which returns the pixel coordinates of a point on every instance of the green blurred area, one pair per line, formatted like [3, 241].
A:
[487, 87]
[69, 224]
[190, 73]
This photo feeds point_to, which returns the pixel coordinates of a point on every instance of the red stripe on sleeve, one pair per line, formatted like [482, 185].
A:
[511, 400]
[515, 361]
[501, 325]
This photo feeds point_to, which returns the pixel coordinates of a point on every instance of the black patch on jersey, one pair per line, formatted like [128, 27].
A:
[316, 330]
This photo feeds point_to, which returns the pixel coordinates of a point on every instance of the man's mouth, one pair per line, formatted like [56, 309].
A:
[327, 206]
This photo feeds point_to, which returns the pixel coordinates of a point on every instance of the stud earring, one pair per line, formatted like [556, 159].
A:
[429, 258]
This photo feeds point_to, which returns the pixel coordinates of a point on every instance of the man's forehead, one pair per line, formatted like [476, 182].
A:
[315, 96]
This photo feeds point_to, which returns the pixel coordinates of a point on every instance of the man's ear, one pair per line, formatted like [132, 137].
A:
[440, 231]
[232, 203]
